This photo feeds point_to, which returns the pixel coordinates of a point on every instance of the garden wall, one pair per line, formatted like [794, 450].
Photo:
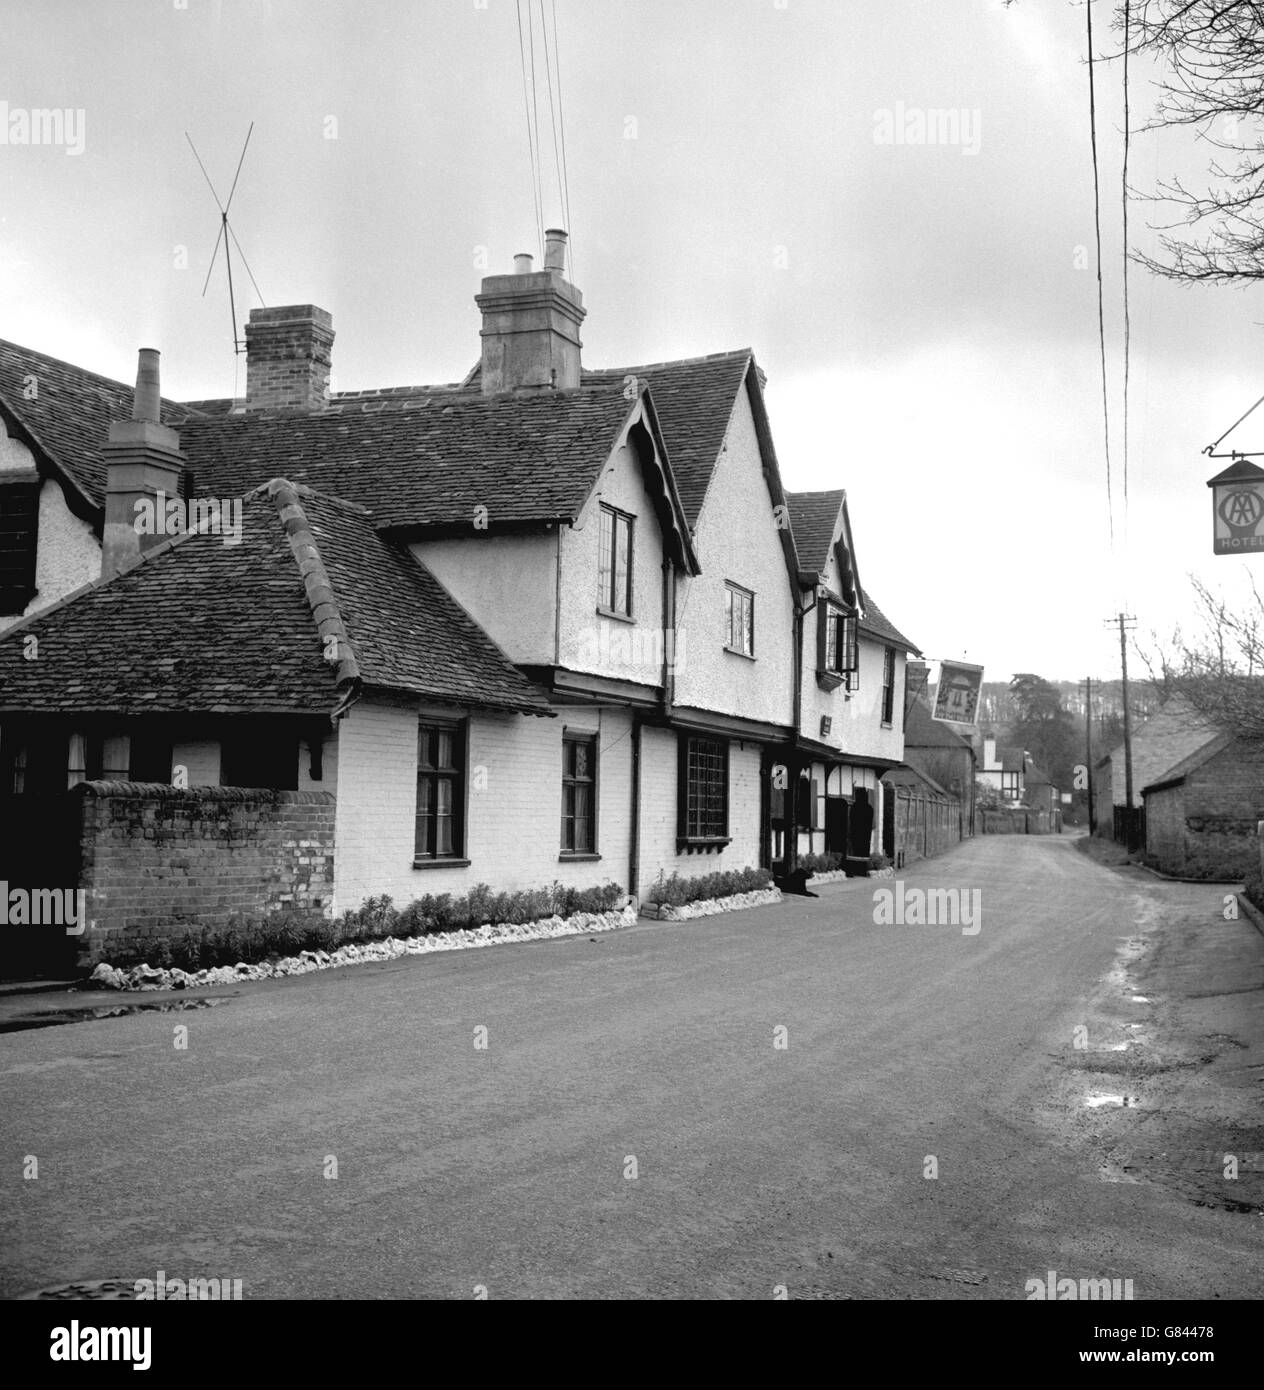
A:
[160, 861]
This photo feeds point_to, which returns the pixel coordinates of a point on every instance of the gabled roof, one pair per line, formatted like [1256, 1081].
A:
[876, 623]
[63, 414]
[202, 626]
[922, 730]
[1179, 771]
[814, 518]
[456, 462]
[694, 397]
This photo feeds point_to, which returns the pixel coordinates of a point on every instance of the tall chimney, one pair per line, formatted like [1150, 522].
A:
[143, 462]
[289, 351]
[531, 325]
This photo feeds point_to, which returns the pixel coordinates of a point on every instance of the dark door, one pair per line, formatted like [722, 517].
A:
[835, 825]
[861, 823]
[39, 851]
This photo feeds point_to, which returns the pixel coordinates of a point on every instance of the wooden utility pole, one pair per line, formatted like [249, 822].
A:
[1125, 621]
[1088, 748]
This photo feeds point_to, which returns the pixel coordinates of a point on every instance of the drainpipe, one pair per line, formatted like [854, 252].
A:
[634, 838]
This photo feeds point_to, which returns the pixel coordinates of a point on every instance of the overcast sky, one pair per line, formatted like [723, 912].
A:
[926, 314]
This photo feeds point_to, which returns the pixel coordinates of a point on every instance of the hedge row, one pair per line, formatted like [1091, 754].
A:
[287, 933]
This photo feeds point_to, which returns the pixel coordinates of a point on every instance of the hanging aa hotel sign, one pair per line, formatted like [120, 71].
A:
[1237, 506]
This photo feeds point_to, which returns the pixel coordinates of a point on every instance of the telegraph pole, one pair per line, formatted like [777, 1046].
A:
[1125, 621]
[1088, 748]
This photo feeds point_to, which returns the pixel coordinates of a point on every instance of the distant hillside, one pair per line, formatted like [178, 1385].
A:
[996, 705]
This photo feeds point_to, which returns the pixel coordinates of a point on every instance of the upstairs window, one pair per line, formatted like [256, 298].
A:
[739, 619]
[838, 648]
[614, 578]
[19, 536]
[888, 685]
[440, 832]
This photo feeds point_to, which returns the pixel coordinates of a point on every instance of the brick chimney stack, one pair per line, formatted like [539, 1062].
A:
[289, 351]
[531, 325]
[143, 459]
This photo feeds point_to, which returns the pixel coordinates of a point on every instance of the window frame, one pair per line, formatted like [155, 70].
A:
[456, 775]
[888, 686]
[573, 738]
[712, 833]
[16, 596]
[607, 561]
[732, 593]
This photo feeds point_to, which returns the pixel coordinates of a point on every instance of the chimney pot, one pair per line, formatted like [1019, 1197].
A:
[147, 399]
[555, 249]
[531, 322]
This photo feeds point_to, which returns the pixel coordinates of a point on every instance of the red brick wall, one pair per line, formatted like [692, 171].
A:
[158, 861]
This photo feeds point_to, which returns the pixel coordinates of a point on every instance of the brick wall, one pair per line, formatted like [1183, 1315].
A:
[160, 860]
[1204, 827]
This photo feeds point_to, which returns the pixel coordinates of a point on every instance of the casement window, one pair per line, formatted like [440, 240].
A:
[739, 619]
[93, 756]
[579, 793]
[19, 537]
[440, 792]
[888, 685]
[614, 578]
[703, 813]
[838, 647]
[1009, 784]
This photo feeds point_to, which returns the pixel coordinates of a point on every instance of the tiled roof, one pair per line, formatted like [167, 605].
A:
[207, 627]
[877, 624]
[1216, 743]
[813, 519]
[694, 398]
[922, 730]
[524, 458]
[69, 410]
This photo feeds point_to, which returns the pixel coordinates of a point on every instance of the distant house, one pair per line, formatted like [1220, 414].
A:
[1005, 770]
[1174, 732]
[940, 754]
[1202, 813]
[1041, 793]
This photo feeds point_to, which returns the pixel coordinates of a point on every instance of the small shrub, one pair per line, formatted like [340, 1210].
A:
[724, 883]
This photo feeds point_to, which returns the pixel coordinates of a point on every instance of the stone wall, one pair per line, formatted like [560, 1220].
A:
[161, 861]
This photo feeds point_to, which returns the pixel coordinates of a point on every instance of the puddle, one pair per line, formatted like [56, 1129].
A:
[1140, 999]
[1116, 1047]
[1097, 1100]
[51, 1018]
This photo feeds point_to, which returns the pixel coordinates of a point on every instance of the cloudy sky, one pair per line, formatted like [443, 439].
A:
[741, 173]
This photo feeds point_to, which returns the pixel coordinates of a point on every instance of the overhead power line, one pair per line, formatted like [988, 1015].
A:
[1101, 308]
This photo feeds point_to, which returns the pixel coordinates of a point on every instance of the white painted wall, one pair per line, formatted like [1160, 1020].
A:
[605, 646]
[658, 852]
[513, 827]
[856, 716]
[737, 539]
[508, 585]
[202, 759]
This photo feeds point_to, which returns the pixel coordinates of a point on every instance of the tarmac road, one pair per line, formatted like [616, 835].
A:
[632, 1129]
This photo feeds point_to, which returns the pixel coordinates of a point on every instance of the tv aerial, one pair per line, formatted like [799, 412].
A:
[227, 235]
